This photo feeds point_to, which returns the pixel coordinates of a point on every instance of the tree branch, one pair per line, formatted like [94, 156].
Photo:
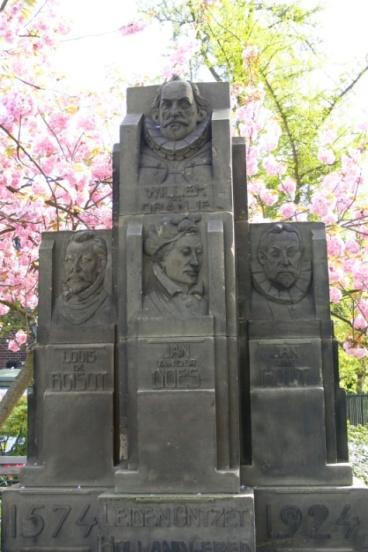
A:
[346, 90]
[286, 126]
[3, 5]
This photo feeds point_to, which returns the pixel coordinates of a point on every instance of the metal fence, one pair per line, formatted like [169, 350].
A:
[357, 409]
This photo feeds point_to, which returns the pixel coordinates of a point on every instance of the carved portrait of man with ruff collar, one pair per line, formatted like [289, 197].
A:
[281, 275]
[176, 289]
[177, 145]
[84, 298]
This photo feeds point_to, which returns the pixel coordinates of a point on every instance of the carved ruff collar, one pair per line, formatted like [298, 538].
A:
[289, 296]
[176, 150]
[80, 307]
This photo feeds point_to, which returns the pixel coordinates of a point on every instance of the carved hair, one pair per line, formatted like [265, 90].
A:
[162, 237]
[91, 238]
[202, 103]
[275, 229]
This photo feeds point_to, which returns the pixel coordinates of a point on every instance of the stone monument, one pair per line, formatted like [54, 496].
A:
[186, 392]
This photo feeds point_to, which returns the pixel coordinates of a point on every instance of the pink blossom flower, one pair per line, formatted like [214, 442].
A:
[357, 352]
[335, 274]
[326, 156]
[352, 246]
[335, 295]
[360, 322]
[327, 137]
[132, 28]
[59, 121]
[273, 167]
[335, 246]
[319, 205]
[4, 309]
[270, 138]
[21, 337]
[268, 197]
[363, 307]
[252, 161]
[288, 186]
[287, 210]
[250, 52]
[13, 346]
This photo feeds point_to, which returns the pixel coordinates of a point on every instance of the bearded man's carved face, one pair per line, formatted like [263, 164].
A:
[178, 111]
[281, 259]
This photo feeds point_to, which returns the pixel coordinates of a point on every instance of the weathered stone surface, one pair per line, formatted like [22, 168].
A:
[74, 418]
[49, 520]
[158, 302]
[191, 442]
[76, 302]
[296, 425]
[306, 519]
[83, 520]
[135, 418]
[210, 523]
[178, 172]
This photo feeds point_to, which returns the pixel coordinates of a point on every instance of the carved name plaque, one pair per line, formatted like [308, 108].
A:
[313, 519]
[174, 199]
[186, 525]
[175, 365]
[80, 369]
[285, 363]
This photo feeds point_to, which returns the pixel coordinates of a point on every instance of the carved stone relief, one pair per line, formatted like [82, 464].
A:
[174, 247]
[84, 297]
[177, 145]
[281, 275]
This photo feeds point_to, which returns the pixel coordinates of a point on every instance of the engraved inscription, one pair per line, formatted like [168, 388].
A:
[39, 519]
[176, 369]
[77, 372]
[111, 545]
[177, 516]
[314, 522]
[287, 365]
[283, 369]
[174, 198]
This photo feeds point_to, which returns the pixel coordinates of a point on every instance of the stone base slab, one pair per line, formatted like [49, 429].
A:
[306, 519]
[84, 520]
[49, 520]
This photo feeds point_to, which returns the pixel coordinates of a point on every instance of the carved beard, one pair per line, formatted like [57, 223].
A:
[281, 294]
[176, 150]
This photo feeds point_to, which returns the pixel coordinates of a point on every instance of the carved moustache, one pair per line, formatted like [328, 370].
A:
[173, 120]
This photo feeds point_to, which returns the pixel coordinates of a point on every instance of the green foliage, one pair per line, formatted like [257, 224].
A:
[358, 449]
[11, 323]
[14, 431]
[358, 434]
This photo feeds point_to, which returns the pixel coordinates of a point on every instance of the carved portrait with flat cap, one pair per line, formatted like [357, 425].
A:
[176, 134]
[281, 275]
[175, 249]
[84, 297]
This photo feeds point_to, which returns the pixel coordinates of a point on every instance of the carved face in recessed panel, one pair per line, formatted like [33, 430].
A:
[181, 261]
[178, 110]
[281, 258]
[82, 265]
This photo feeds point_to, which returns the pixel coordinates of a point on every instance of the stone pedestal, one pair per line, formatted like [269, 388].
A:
[184, 358]
[302, 519]
[292, 378]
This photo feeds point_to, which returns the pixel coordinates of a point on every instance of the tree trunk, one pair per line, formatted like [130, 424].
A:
[16, 389]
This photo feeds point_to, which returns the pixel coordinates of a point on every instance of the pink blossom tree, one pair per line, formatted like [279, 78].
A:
[303, 162]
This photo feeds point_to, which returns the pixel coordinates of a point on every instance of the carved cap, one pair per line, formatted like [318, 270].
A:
[168, 231]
